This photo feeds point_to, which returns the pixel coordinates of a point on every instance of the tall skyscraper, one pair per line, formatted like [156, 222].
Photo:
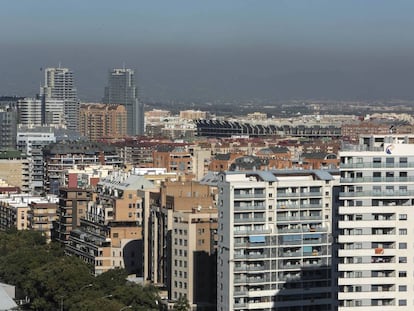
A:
[375, 251]
[122, 90]
[59, 85]
[274, 239]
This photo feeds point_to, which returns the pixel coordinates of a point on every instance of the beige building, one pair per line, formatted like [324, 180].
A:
[193, 257]
[178, 206]
[17, 212]
[14, 169]
[110, 234]
[193, 114]
[42, 214]
[97, 121]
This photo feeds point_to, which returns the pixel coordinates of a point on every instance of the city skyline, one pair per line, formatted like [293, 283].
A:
[238, 50]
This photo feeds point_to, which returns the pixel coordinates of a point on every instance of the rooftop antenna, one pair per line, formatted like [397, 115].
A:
[123, 65]
[59, 64]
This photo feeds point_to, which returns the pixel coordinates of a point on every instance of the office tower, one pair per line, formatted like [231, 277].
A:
[98, 121]
[122, 90]
[59, 85]
[375, 255]
[274, 239]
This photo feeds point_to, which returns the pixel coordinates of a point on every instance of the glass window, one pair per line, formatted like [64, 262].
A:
[402, 302]
[402, 274]
[402, 288]
[402, 231]
[403, 216]
[402, 245]
[389, 160]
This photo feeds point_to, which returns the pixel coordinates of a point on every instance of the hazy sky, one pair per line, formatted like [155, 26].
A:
[208, 50]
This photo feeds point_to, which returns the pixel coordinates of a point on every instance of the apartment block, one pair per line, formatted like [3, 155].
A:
[42, 215]
[59, 157]
[23, 211]
[73, 203]
[110, 234]
[31, 141]
[274, 240]
[15, 169]
[177, 213]
[175, 158]
[375, 255]
[193, 258]
[98, 121]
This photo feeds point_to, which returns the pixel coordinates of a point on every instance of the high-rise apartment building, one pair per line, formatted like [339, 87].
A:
[274, 240]
[59, 85]
[31, 141]
[8, 125]
[375, 242]
[97, 121]
[122, 90]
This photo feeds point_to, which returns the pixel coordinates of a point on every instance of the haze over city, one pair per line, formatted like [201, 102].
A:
[214, 50]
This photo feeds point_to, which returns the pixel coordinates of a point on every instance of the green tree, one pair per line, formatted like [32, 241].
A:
[182, 304]
[52, 280]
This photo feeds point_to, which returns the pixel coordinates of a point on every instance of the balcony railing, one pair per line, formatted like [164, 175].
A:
[376, 194]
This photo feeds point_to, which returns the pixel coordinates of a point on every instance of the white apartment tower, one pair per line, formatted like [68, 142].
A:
[59, 85]
[376, 250]
[274, 240]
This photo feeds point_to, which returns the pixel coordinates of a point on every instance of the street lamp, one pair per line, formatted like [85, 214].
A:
[127, 307]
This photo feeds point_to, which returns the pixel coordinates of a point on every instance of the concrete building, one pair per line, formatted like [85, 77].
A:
[23, 211]
[193, 257]
[59, 85]
[60, 157]
[122, 90]
[15, 169]
[98, 121]
[30, 111]
[42, 215]
[274, 240]
[375, 248]
[31, 141]
[182, 240]
[37, 112]
[110, 234]
[14, 212]
[73, 204]
[193, 114]
[8, 125]
[175, 158]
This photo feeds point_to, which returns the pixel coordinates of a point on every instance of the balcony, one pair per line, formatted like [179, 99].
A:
[249, 220]
[249, 195]
[377, 194]
[250, 207]
[375, 165]
[376, 180]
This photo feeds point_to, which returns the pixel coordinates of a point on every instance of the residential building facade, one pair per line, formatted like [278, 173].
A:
[59, 85]
[274, 238]
[375, 249]
[97, 121]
